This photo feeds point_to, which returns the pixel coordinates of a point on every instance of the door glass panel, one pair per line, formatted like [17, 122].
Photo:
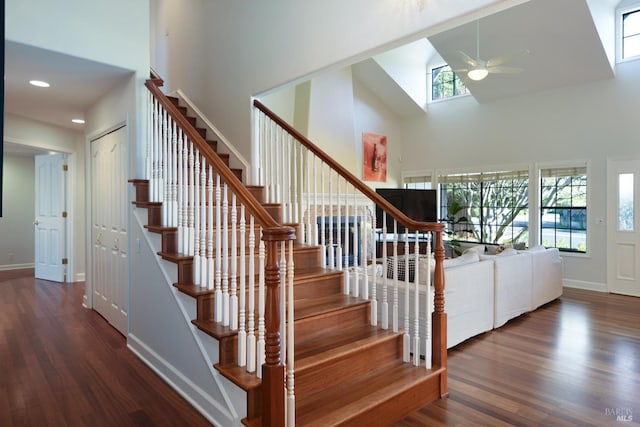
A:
[626, 205]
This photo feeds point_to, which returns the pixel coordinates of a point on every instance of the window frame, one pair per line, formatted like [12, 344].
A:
[584, 164]
[430, 85]
[524, 171]
[630, 8]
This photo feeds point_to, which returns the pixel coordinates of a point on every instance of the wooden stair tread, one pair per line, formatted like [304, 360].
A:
[239, 376]
[192, 289]
[159, 228]
[344, 401]
[215, 329]
[310, 353]
[306, 308]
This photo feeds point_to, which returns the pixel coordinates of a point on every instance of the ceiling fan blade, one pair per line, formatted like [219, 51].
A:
[467, 59]
[499, 60]
[504, 70]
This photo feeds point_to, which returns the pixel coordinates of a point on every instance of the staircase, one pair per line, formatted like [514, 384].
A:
[349, 370]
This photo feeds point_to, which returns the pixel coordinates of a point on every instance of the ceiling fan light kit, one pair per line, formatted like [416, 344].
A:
[478, 73]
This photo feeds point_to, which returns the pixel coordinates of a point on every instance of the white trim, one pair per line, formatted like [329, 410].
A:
[588, 286]
[8, 267]
[190, 391]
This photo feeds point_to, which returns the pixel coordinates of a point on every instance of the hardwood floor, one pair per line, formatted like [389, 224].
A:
[573, 362]
[63, 365]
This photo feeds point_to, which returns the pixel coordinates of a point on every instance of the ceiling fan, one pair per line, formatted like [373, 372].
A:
[479, 69]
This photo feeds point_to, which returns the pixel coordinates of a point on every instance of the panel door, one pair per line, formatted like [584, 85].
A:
[623, 248]
[50, 232]
[109, 228]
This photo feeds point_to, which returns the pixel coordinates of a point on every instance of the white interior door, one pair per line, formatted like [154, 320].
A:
[109, 228]
[623, 231]
[50, 217]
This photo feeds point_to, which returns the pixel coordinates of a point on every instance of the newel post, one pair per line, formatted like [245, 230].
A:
[439, 320]
[273, 374]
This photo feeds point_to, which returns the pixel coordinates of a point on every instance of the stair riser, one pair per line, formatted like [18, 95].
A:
[359, 362]
[316, 326]
[398, 406]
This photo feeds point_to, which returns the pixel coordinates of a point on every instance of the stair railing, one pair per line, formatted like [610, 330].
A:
[215, 217]
[336, 210]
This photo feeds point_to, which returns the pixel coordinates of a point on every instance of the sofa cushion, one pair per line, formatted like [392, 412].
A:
[463, 259]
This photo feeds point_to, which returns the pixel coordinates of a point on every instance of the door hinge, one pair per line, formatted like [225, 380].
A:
[65, 168]
[65, 261]
[64, 214]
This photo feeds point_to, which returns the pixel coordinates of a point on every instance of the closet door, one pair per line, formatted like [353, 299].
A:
[109, 228]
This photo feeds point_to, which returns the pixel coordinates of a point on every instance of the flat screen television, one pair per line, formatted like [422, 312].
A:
[419, 205]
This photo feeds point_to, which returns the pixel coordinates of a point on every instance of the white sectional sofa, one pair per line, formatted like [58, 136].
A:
[483, 292]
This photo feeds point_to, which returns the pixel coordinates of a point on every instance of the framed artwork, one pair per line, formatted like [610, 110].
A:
[374, 164]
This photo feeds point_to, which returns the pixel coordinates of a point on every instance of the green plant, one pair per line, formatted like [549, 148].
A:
[455, 225]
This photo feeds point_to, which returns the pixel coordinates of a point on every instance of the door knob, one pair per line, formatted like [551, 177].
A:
[36, 223]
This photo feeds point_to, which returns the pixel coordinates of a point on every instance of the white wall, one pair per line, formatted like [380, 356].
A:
[44, 136]
[593, 121]
[16, 223]
[372, 115]
[250, 48]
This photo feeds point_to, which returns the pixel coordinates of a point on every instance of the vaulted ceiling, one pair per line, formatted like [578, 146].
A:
[569, 42]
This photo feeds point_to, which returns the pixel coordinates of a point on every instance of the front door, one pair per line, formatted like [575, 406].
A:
[109, 228]
[623, 249]
[50, 217]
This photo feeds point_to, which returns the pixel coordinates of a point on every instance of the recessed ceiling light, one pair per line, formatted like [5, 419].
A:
[78, 121]
[39, 83]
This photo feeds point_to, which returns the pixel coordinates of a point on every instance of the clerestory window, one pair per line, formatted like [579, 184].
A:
[446, 84]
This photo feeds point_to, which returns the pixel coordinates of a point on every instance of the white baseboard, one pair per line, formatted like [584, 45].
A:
[16, 266]
[197, 397]
[587, 286]
[80, 277]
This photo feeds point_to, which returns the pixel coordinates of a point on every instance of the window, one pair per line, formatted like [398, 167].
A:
[630, 33]
[563, 208]
[446, 84]
[493, 206]
[421, 181]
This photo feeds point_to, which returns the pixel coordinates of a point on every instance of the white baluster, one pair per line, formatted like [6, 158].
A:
[330, 246]
[174, 176]
[163, 171]
[155, 168]
[185, 194]
[191, 208]
[365, 231]
[181, 193]
[225, 255]
[210, 236]
[384, 306]
[291, 399]
[196, 219]
[218, 249]
[310, 214]
[347, 229]
[339, 219]
[251, 337]
[203, 223]
[314, 219]
[406, 339]
[356, 241]
[416, 306]
[148, 156]
[242, 309]
[428, 306]
[395, 326]
[261, 355]
[233, 315]
[323, 241]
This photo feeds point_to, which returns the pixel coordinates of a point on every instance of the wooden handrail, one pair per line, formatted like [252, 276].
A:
[357, 183]
[252, 205]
